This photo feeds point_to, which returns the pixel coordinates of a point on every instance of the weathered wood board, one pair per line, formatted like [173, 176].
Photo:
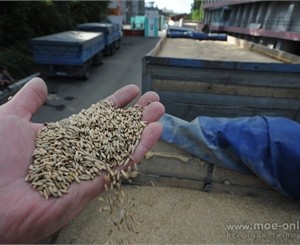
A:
[167, 165]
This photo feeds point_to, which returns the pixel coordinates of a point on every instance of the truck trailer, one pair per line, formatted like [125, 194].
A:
[69, 53]
[214, 80]
[218, 78]
[111, 32]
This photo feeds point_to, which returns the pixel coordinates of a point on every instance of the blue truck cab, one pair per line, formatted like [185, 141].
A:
[112, 34]
[69, 53]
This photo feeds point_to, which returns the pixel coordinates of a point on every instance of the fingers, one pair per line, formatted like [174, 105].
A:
[150, 100]
[29, 99]
[147, 98]
[124, 95]
[151, 134]
[37, 126]
[153, 112]
[149, 138]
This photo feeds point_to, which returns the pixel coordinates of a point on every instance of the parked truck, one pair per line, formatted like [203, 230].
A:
[111, 32]
[196, 78]
[216, 79]
[69, 53]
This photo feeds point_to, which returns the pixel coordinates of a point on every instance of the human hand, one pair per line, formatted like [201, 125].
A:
[26, 216]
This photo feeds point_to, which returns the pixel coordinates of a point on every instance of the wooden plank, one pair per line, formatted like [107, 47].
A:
[146, 79]
[215, 88]
[223, 65]
[190, 111]
[172, 164]
[242, 190]
[161, 181]
[229, 100]
[228, 77]
[228, 177]
[168, 165]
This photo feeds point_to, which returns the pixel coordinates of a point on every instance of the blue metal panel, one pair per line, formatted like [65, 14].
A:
[117, 32]
[111, 31]
[68, 48]
[109, 39]
[96, 27]
[225, 65]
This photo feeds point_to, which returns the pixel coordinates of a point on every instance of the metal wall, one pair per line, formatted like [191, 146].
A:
[244, 19]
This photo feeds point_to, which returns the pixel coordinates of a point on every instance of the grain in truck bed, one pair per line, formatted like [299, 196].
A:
[210, 50]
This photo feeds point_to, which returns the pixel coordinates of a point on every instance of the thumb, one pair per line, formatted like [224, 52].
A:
[29, 99]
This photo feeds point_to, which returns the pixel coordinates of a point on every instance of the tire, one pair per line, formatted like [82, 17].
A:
[112, 48]
[108, 51]
[86, 71]
[118, 44]
[98, 59]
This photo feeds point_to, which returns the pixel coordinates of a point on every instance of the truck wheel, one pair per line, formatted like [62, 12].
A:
[112, 48]
[111, 51]
[86, 71]
[118, 44]
[98, 59]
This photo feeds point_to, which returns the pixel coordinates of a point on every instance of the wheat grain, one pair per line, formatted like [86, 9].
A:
[95, 141]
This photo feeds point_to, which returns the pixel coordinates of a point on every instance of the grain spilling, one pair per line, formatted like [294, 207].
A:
[97, 140]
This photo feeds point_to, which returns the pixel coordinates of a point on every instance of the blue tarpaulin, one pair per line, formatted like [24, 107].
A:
[177, 33]
[269, 147]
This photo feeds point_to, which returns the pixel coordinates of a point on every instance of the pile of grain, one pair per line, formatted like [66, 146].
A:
[98, 140]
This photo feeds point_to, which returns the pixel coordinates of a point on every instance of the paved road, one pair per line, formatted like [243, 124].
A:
[68, 96]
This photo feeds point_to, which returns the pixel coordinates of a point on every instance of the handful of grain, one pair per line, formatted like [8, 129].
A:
[98, 140]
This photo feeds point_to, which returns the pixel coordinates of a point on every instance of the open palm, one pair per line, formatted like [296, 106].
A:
[26, 216]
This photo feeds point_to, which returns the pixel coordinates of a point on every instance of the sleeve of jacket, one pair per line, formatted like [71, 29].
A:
[266, 146]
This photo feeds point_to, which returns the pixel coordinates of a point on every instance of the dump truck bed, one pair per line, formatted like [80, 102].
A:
[215, 78]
